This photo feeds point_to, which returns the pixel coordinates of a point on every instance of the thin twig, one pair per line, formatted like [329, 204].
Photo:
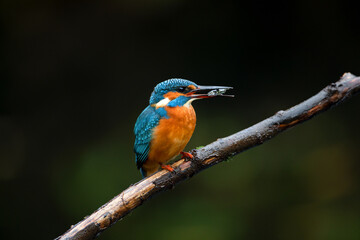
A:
[210, 155]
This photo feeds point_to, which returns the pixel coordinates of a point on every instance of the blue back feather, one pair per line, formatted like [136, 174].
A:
[144, 126]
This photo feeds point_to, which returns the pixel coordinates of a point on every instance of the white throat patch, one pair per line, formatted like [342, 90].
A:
[188, 103]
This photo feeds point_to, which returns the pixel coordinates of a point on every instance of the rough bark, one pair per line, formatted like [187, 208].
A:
[214, 153]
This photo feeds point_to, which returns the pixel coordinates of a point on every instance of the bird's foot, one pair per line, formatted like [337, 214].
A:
[168, 167]
[186, 155]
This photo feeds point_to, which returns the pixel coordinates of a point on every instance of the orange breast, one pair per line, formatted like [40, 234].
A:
[170, 136]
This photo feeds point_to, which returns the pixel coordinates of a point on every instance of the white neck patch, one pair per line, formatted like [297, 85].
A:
[162, 103]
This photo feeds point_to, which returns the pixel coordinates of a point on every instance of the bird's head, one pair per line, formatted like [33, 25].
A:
[179, 92]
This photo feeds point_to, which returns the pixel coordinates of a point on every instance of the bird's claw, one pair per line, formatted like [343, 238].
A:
[169, 168]
[186, 155]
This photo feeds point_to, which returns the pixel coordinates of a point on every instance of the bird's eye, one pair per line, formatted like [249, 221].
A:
[182, 89]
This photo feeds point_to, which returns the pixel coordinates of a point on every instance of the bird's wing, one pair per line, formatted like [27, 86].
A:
[144, 125]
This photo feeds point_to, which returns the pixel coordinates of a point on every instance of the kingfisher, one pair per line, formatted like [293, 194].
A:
[164, 128]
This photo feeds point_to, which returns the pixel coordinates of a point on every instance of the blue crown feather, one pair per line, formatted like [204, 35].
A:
[166, 86]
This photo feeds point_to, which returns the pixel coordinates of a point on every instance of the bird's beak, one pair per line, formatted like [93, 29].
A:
[209, 92]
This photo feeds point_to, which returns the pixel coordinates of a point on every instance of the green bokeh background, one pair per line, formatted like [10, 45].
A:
[75, 75]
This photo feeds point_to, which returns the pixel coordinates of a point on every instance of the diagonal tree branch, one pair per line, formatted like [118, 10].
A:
[210, 155]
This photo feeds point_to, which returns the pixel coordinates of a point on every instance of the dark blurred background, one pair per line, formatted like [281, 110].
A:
[74, 76]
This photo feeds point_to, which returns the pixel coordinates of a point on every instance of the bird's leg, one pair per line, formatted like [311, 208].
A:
[167, 167]
[186, 155]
